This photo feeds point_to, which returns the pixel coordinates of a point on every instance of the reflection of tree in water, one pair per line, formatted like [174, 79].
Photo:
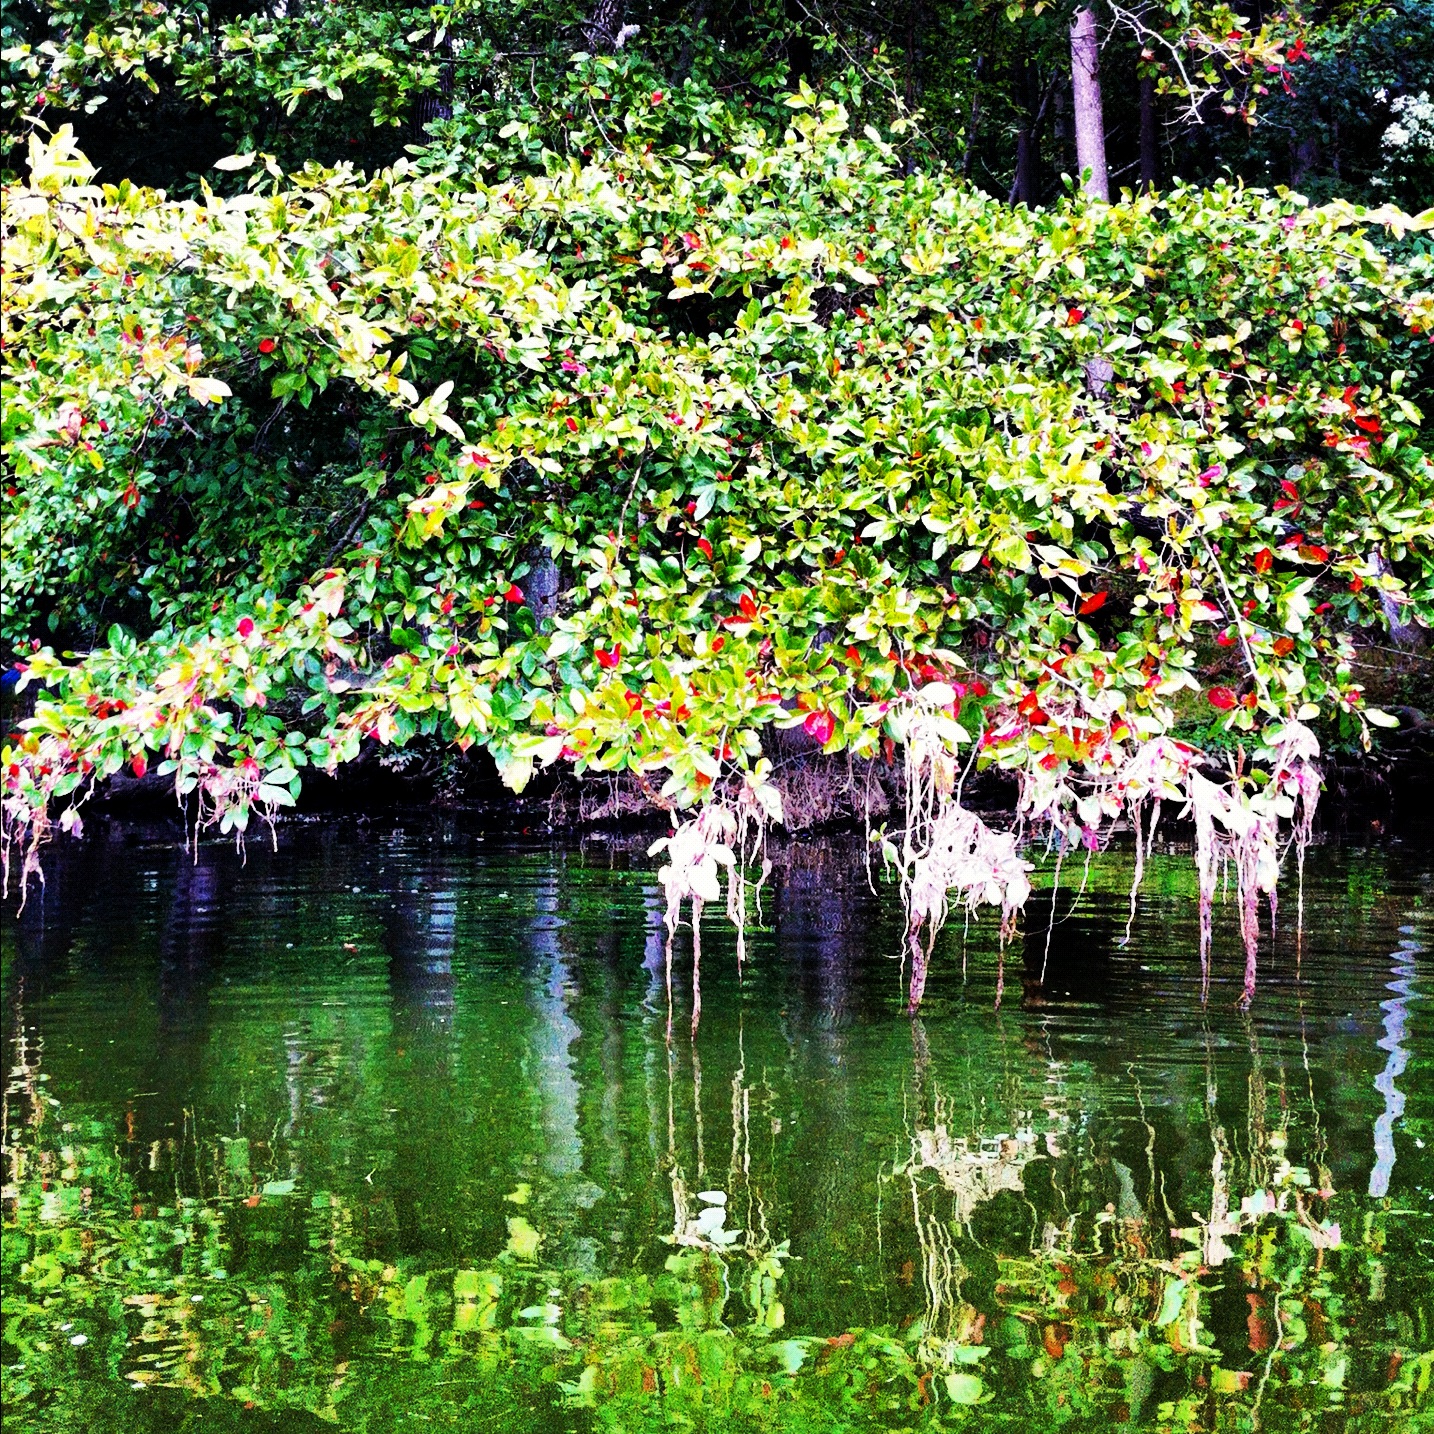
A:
[969, 1171]
[418, 915]
[1038, 1188]
[552, 992]
[1106, 1283]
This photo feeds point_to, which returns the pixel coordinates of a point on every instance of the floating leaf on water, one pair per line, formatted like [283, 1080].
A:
[476, 1284]
[1172, 1302]
[964, 1388]
[523, 1239]
[970, 1353]
[789, 1354]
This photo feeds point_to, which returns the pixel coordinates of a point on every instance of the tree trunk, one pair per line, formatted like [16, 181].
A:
[973, 121]
[600, 29]
[1028, 142]
[1149, 146]
[695, 20]
[1089, 115]
[436, 104]
[913, 54]
[1060, 127]
[1024, 188]
[801, 53]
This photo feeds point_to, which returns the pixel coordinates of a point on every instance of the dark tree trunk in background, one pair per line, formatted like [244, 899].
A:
[437, 104]
[801, 56]
[973, 122]
[1060, 127]
[1304, 157]
[1089, 112]
[1028, 141]
[683, 68]
[913, 54]
[601, 27]
[1027, 188]
[1149, 145]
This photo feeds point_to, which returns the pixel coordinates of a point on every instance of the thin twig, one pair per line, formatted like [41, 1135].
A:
[1238, 616]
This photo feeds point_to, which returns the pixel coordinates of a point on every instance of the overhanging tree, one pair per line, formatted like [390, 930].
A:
[624, 428]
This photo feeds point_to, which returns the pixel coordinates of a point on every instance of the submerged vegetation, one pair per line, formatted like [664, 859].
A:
[632, 419]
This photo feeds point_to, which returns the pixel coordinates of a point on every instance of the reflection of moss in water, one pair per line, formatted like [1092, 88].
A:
[114, 1307]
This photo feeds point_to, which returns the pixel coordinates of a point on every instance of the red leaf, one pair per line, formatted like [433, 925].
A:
[1093, 603]
[139, 766]
[749, 606]
[819, 726]
[1220, 697]
[1264, 559]
[246, 627]
[705, 548]
[606, 658]
[514, 593]
[1074, 316]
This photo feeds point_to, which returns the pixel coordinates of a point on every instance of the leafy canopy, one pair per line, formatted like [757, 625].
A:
[623, 456]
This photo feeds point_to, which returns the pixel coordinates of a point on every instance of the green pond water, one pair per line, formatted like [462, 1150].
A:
[396, 1129]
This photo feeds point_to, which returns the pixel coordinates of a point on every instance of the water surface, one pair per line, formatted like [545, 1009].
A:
[397, 1129]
